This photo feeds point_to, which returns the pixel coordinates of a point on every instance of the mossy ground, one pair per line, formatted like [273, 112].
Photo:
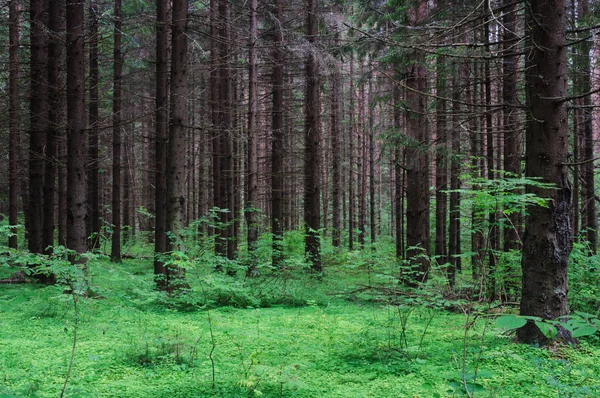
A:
[308, 342]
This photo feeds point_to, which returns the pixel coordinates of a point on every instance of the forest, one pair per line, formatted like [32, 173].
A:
[337, 198]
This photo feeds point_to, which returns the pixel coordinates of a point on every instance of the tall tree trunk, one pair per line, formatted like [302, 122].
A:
[417, 177]
[37, 124]
[312, 187]
[251, 176]
[548, 235]
[493, 229]
[76, 189]
[161, 125]
[511, 117]
[399, 183]
[277, 139]
[93, 191]
[115, 253]
[14, 118]
[441, 168]
[454, 241]
[591, 227]
[56, 52]
[373, 231]
[177, 141]
[336, 149]
[350, 157]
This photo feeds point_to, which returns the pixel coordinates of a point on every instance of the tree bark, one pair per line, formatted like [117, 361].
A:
[115, 253]
[312, 187]
[441, 164]
[177, 141]
[548, 235]
[161, 125]
[14, 118]
[76, 173]
[93, 191]
[336, 149]
[277, 124]
[251, 176]
[37, 124]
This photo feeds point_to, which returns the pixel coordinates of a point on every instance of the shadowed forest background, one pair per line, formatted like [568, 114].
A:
[303, 198]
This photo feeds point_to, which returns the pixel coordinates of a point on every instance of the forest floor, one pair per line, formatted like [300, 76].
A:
[277, 336]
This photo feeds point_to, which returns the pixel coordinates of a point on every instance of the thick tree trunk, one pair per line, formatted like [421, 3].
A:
[277, 140]
[56, 52]
[115, 253]
[93, 191]
[454, 241]
[548, 233]
[312, 187]
[351, 160]
[76, 173]
[161, 125]
[14, 119]
[177, 141]
[37, 124]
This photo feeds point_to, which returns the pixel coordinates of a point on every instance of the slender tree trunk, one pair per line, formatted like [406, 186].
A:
[115, 253]
[37, 124]
[493, 230]
[591, 227]
[251, 176]
[93, 224]
[511, 118]
[177, 141]
[373, 231]
[417, 177]
[312, 135]
[399, 186]
[454, 241]
[441, 171]
[336, 149]
[350, 157]
[161, 125]
[277, 140]
[76, 173]
[548, 235]
[14, 118]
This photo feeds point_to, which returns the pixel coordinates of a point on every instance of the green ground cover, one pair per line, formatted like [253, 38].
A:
[292, 336]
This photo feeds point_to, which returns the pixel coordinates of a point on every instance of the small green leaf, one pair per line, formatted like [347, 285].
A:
[584, 331]
[547, 330]
[510, 322]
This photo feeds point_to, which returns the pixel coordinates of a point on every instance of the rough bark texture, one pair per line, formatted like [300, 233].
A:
[417, 178]
[548, 234]
[37, 124]
[511, 118]
[14, 121]
[336, 148]
[441, 171]
[115, 253]
[252, 171]
[312, 187]
[591, 227]
[177, 140]
[76, 189]
[93, 191]
[55, 70]
[161, 125]
[454, 242]
[277, 140]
